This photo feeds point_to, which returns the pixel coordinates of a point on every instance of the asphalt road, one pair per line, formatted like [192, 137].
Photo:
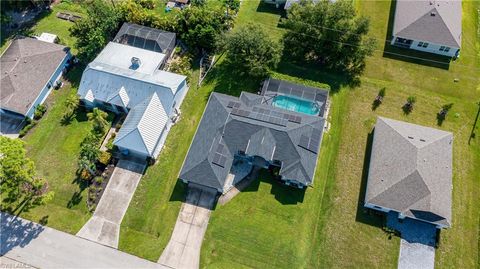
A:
[43, 247]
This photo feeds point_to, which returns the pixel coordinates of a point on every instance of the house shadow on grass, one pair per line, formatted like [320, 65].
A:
[271, 8]
[16, 232]
[410, 55]
[363, 214]
[284, 194]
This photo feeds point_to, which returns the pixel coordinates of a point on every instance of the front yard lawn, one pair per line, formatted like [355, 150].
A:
[54, 148]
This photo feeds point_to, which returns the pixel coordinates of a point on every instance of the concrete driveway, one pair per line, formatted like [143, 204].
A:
[25, 242]
[417, 244]
[183, 249]
[104, 226]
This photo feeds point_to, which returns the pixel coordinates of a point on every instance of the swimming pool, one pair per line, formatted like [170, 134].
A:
[295, 104]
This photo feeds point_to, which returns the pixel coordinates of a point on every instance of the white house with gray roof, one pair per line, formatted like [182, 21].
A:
[129, 79]
[433, 26]
[30, 68]
[411, 172]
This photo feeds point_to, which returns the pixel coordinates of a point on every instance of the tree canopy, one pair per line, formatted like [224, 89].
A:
[94, 31]
[201, 26]
[252, 51]
[20, 188]
[330, 34]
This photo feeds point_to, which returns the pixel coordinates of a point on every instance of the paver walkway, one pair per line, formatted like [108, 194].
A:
[183, 249]
[43, 247]
[104, 226]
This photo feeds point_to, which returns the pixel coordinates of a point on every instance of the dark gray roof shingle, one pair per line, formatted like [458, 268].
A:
[219, 129]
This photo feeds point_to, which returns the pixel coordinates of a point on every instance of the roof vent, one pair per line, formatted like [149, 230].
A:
[431, 2]
[433, 14]
[411, 137]
[423, 140]
[135, 63]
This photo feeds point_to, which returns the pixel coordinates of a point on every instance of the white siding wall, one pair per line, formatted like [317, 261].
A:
[432, 48]
[180, 95]
[46, 90]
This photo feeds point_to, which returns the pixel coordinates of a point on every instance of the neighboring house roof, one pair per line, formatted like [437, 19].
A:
[145, 38]
[435, 21]
[247, 123]
[411, 170]
[143, 126]
[27, 65]
[112, 73]
[289, 3]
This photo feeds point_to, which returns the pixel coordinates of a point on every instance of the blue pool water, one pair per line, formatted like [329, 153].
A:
[295, 104]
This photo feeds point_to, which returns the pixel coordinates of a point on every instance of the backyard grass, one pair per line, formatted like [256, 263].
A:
[49, 23]
[54, 148]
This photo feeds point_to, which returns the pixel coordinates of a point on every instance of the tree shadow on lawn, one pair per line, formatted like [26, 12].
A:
[410, 55]
[335, 80]
[228, 81]
[25, 30]
[363, 214]
[77, 197]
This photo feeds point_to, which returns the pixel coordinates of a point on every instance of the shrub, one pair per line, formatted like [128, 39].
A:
[30, 124]
[98, 180]
[104, 158]
[109, 144]
[182, 65]
[39, 111]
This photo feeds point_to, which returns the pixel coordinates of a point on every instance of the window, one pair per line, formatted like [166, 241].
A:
[447, 49]
[442, 48]
[425, 45]
[420, 44]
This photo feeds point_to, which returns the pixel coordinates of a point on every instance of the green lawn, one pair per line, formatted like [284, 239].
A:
[54, 148]
[48, 22]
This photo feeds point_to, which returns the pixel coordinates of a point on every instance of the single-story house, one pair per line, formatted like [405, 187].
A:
[433, 26]
[30, 69]
[147, 38]
[255, 130]
[411, 172]
[128, 79]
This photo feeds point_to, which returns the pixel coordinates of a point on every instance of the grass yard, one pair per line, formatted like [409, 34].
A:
[49, 23]
[330, 228]
[54, 148]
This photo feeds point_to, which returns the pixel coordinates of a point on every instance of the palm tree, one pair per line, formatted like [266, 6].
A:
[72, 102]
[99, 119]
[71, 105]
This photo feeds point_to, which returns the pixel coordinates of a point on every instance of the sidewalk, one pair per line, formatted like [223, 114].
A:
[43, 247]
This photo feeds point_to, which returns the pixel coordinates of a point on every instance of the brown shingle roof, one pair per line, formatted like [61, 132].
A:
[26, 66]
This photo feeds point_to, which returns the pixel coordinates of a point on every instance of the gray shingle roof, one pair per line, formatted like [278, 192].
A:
[411, 170]
[27, 66]
[146, 38]
[435, 21]
[219, 129]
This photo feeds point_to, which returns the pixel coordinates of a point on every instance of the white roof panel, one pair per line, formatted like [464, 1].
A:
[143, 126]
